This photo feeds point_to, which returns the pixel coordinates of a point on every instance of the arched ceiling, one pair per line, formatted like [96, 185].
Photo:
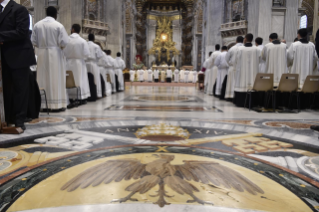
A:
[309, 6]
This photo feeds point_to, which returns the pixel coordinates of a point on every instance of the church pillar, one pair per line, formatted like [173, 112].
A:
[113, 14]
[151, 35]
[315, 20]
[291, 21]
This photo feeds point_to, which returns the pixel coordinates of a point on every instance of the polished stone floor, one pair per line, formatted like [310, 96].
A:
[162, 148]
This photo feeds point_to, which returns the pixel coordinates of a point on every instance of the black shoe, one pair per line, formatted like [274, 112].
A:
[315, 128]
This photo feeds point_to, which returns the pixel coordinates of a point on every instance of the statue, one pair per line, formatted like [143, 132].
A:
[164, 55]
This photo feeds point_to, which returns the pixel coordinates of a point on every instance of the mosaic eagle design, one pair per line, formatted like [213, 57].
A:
[161, 172]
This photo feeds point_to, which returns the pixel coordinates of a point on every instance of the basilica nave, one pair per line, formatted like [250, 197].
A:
[141, 124]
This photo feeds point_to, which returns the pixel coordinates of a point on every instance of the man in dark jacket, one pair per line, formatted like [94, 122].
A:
[17, 55]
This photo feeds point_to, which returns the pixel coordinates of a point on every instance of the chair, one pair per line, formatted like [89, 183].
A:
[263, 83]
[70, 84]
[45, 97]
[288, 83]
[310, 86]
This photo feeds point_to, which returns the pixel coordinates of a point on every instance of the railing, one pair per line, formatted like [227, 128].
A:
[95, 24]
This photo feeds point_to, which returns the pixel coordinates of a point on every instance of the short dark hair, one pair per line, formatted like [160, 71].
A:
[259, 41]
[296, 39]
[91, 37]
[303, 32]
[105, 51]
[52, 12]
[224, 48]
[249, 37]
[119, 54]
[76, 28]
[108, 52]
[273, 36]
[210, 53]
[217, 47]
[240, 39]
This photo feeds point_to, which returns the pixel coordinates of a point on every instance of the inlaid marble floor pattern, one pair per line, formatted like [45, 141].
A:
[162, 149]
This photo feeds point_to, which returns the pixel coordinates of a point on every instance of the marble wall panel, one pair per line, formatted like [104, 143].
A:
[278, 25]
[264, 23]
[214, 20]
[291, 23]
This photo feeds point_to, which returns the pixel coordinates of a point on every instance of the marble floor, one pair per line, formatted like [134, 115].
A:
[162, 149]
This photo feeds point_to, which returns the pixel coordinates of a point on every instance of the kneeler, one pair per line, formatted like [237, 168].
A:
[4, 129]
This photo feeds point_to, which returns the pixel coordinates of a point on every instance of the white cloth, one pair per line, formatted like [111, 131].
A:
[132, 75]
[205, 65]
[145, 74]
[92, 66]
[186, 73]
[275, 57]
[156, 74]
[262, 63]
[4, 4]
[194, 76]
[222, 65]
[248, 59]
[302, 58]
[150, 75]
[34, 67]
[119, 66]
[163, 76]
[140, 75]
[182, 76]
[231, 59]
[212, 72]
[50, 37]
[76, 52]
[176, 75]
[169, 73]
[110, 70]
[102, 66]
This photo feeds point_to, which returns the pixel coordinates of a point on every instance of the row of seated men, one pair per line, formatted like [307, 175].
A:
[230, 74]
[183, 76]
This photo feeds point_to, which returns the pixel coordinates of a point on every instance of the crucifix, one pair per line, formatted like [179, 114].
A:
[4, 129]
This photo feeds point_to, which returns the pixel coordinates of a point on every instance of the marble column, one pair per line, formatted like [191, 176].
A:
[214, 21]
[151, 35]
[177, 38]
[315, 19]
[113, 16]
[291, 21]
[264, 23]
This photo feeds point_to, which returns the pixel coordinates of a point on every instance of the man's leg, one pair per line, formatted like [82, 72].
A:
[20, 80]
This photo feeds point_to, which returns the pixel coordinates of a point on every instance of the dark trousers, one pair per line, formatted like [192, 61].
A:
[15, 93]
[117, 84]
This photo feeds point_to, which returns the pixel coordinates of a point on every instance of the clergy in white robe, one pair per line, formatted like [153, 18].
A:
[194, 76]
[182, 75]
[92, 64]
[302, 57]
[76, 52]
[248, 58]
[145, 74]
[262, 63]
[275, 55]
[205, 71]
[150, 75]
[231, 59]
[222, 65]
[212, 71]
[50, 37]
[186, 73]
[163, 75]
[102, 66]
[119, 66]
[132, 75]
[176, 76]
[110, 69]
[156, 75]
[169, 75]
[140, 74]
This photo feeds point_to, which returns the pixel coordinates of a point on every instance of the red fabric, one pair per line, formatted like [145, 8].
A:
[138, 56]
